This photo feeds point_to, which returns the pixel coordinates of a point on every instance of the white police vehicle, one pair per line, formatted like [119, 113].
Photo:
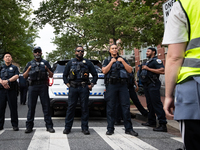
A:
[58, 91]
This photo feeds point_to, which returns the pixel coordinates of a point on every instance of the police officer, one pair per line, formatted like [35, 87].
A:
[23, 87]
[38, 71]
[149, 73]
[116, 77]
[76, 77]
[8, 84]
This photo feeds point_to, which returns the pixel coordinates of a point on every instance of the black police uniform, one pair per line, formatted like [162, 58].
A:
[9, 95]
[134, 96]
[76, 73]
[152, 86]
[23, 87]
[116, 89]
[38, 86]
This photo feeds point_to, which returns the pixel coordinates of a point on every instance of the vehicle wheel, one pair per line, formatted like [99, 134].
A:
[52, 112]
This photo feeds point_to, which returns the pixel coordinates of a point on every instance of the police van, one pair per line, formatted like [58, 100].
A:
[58, 91]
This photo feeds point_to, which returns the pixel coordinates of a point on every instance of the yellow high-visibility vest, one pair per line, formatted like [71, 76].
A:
[191, 64]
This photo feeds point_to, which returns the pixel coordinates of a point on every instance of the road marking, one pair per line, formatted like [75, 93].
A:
[119, 140]
[49, 141]
[58, 118]
[1, 132]
[179, 139]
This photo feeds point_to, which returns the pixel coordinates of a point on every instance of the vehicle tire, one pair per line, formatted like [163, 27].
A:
[52, 112]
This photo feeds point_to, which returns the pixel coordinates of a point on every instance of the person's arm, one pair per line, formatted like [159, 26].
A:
[157, 71]
[175, 57]
[26, 71]
[128, 68]
[93, 72]
[94, 75]
[49, 69]
[108, 66]
[137, 88]
[66, 73]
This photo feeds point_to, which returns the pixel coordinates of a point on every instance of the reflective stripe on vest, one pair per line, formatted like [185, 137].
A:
[191, 63]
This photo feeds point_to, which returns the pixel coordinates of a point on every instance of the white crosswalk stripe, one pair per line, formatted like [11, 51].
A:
[43, 140]
[119, 140]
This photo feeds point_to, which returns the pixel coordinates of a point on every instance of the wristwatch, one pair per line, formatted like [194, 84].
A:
[8, 80]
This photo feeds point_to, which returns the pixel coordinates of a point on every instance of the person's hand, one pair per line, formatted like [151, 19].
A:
[68, 85]
[120, 59]
[90, 87]
[136, 89]
[5, 84]
[145, 67]
[169, 107]
[113, 60]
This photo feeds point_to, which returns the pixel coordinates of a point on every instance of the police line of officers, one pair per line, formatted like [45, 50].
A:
[118, 75]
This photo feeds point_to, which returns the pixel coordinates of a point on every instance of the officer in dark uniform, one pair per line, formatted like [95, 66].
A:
[8, 91]
[116, 79]
[149, 73]
[38, 71]
[76, 77]
[23, 87]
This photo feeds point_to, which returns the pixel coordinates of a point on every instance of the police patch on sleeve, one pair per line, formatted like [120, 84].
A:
[159, 61]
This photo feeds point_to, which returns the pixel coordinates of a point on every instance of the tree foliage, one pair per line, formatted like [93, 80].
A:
[93, 22]
[16, 32]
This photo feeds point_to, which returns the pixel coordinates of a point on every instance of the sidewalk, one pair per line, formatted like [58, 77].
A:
[139, 116]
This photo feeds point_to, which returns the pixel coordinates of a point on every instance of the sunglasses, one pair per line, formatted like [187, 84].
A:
[80, 51]
[35, 51]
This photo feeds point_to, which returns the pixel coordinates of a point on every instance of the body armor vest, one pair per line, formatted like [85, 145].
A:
[37, 71]
[79, 70]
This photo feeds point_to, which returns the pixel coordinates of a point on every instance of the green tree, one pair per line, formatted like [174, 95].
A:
[92, 23]
[16, 31]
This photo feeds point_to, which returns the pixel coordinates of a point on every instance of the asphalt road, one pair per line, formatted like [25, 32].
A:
[41, 139]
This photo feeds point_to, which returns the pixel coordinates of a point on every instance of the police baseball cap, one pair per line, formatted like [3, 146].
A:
[153, 49]
[37, 49]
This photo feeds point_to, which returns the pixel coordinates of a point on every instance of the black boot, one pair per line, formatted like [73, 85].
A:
[161, 128]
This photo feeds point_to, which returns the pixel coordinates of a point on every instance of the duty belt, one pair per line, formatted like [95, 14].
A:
[38, 82]
[114, 81]
[77, 84]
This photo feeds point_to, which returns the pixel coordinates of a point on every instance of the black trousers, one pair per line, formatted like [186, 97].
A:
[190, 133]
[23, 94]
[154, 104]
[33, 92]
[9, 96]
[115, 92]
[81, 93]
